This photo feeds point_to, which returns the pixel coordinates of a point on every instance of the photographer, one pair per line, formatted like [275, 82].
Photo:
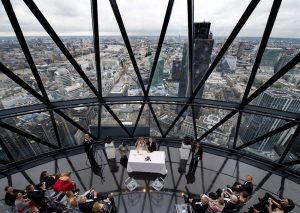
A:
[269, 204]
[90, 197]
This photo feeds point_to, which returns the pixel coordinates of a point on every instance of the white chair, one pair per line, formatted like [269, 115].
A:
[131, 184]
[183, 208]
[158, 184]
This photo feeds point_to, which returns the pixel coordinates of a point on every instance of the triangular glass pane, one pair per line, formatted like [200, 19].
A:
[37, 124]
[229, 79]
[253, 126]
[294, 152]
[267, 148]
[128, 114]
[11, 53]
[224, 135]
[143, 126]
[60, 79]
[143, 28]
[282, 46]
[69, 134]
[12, 95]
[109, 126]
[117, 73]
[169, 78]
[85, 116]
[283, 94]
[165, 114]
[75, 31]
[21, 147]
[154, 129]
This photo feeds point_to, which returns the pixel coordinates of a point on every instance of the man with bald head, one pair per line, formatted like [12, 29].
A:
[246, 186]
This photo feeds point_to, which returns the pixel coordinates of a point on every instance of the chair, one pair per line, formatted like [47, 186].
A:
[183, 208]
[131, 183]
[158, 184]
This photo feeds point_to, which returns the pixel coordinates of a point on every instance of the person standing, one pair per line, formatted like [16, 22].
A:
[123, 150]
[197, 154]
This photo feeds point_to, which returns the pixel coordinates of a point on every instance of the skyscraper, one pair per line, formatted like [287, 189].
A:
[158, 74]
[257, 125]
[176, 69]
[203, 45]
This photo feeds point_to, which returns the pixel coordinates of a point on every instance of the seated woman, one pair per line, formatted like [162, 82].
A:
[141, 145]
[64, 183]
[22, 205]
[269, 204]
[198, 205]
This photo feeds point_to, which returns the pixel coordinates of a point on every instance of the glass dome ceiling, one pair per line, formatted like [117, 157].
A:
[151, 68]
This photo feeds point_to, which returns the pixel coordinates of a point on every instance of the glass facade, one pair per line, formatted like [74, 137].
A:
[166, 69]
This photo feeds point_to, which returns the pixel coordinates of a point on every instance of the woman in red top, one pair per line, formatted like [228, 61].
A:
[64, 183]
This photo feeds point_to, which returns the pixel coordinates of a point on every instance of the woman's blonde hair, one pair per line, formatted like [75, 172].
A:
[67, 173]
[97, 208]
[73, 202]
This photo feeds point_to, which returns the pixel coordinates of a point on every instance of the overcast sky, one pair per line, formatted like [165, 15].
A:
[145, 17]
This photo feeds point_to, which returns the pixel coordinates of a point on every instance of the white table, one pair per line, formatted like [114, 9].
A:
[137, 163]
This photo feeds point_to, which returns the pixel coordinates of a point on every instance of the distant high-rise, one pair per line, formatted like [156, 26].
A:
[257, 125]
[241, 50]
[158, 74]
[176, 69]
[203, 45]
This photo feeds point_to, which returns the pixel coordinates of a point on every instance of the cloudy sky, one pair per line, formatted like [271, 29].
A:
[145, 17]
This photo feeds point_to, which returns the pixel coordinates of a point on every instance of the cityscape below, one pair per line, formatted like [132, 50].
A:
[171, 78]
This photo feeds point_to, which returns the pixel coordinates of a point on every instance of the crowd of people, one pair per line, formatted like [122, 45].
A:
[65, 195]
[233, 198]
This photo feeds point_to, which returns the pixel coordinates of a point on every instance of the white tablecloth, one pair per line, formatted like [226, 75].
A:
[137, 163]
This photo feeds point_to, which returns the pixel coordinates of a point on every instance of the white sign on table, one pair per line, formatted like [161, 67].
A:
[143, 161]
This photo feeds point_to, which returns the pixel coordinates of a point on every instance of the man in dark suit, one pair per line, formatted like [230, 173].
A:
[37, 195]
[151, 145]
[246, 186]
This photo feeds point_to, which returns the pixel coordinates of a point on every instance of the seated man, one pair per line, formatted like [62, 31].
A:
[151, 145]
[246, 186]
[37, 195]
[199, 205]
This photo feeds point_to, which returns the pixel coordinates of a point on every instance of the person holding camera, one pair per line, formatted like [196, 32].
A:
[269, 204]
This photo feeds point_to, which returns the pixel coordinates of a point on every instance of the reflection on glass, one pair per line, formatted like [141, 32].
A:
[19, 146]
[294, 153]
[254, 126]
